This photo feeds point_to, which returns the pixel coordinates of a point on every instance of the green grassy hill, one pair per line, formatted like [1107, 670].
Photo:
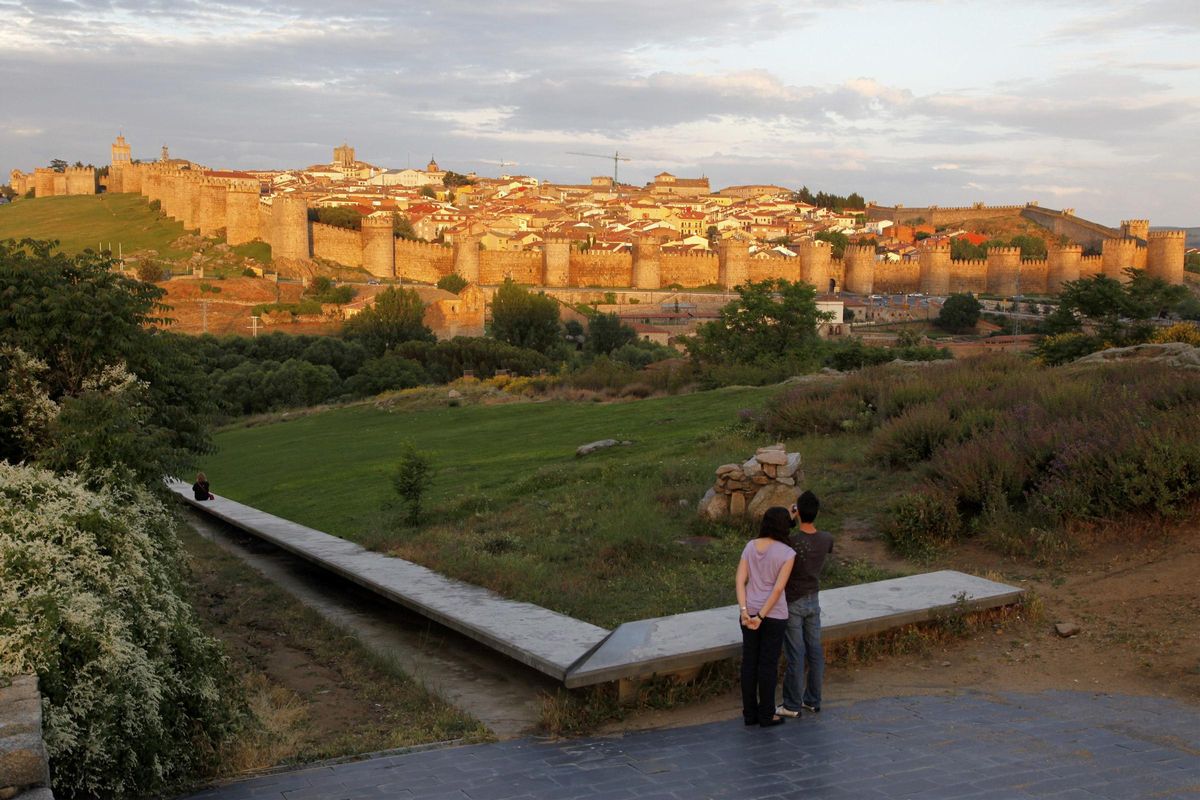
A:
[603, 538]
[91, 221]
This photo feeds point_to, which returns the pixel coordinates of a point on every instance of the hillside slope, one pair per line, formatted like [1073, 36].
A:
[123, 221]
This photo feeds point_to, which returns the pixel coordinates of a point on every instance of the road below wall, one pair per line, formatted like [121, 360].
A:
[502, 694]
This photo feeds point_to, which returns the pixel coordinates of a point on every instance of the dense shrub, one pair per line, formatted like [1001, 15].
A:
[137, 697]
[385, 374]
[913, 436]
[1016, 445]
[922, 521]
[446, 361]
[452, 282]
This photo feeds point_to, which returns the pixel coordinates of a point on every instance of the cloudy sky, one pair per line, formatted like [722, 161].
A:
[1090, 104]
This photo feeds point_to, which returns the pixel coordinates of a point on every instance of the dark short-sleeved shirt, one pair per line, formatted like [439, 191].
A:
[200, 489]
[811, 549]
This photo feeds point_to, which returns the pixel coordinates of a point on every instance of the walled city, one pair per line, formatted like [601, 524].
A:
[674, 233]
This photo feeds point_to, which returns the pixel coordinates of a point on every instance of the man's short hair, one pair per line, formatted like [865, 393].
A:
[807, 506]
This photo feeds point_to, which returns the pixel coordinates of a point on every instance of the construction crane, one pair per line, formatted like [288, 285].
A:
[616, 158]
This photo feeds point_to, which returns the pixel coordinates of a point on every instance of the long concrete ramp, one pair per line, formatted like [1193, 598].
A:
[579, 653]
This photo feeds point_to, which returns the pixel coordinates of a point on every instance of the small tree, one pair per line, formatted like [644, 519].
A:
[525, 319]
[959, 313]
[606, 332]
[411, 480]
[397, 316]
[402, 227]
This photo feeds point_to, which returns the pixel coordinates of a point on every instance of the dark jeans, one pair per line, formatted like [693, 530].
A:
[760, 669]
[803, 645]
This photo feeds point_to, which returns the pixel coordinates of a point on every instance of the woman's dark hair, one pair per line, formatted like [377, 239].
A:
[776, 524]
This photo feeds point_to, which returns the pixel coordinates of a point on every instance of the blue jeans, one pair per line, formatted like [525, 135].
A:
[803, 649]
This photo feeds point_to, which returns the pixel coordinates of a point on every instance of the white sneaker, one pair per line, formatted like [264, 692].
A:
[781, 711]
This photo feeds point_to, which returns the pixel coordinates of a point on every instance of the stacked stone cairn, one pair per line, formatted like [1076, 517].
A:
[770, 477]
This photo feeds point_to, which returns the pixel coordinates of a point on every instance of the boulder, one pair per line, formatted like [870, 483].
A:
[789, 469]
[776, 457]
[592, 447]
[769, 470]
[737, 504]
[714, 505]
[1067, 629]
[1172, 354]
[751, 468]
[773, 494]
[789, 481]
[725, 469]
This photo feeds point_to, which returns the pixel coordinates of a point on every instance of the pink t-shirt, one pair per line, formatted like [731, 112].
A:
[764, 571]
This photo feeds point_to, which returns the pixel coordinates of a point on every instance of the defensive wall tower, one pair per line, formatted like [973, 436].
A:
[815, 263]
[647, 263]
[289, 228]
[191, 199]
[556, 261]
[935, 269]
[120, 166]
[1166, 252]
[859, 261]
[210, 216]
[1117, 256]
[1135, 228]
[170, 193]
[1062, 266]
[131, 178]
[733, 263]
[378, 246]
[152, 186]
[1003, 267]
[241, 212]
[466, 258]
[43, 182]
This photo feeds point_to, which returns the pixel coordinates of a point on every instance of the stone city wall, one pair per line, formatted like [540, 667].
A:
[419, 261]
[699, 269]
[601, 269]
[521, 266]
[337, 244]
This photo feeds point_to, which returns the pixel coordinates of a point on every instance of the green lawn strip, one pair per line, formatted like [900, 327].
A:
[90, 221]
[602, 538]
[313, 690]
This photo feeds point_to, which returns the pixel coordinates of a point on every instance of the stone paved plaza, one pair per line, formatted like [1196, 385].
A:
[1057, 744]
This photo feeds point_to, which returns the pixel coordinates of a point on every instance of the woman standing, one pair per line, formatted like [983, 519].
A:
[761, 574]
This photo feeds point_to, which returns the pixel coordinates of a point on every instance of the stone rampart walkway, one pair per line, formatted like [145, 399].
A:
[1067, 746]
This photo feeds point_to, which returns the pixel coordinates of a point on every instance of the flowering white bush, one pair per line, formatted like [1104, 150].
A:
[136, 697]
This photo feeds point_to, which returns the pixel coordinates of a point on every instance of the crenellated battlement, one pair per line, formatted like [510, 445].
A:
[704, 256]
[1005, 251]
[1163, 235]
[428, 248]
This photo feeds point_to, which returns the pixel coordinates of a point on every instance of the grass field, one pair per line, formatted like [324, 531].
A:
[610, 537]
[90, 221]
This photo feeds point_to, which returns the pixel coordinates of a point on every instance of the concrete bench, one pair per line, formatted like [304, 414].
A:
[538, 637]
[579, 653]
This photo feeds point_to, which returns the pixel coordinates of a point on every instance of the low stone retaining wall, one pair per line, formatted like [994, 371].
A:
[24, 765]
[768, 478]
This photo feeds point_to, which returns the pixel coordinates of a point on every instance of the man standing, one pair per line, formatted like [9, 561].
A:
[802, 692]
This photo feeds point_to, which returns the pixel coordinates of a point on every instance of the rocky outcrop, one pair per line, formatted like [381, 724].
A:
[768, 478]
[24, 766]
[1171, 354]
